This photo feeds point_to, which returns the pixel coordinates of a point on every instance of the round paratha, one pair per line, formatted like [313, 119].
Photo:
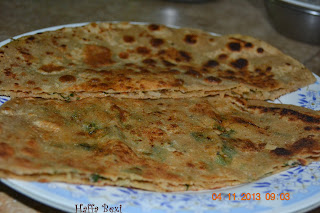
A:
[145, 61]
[158, 145]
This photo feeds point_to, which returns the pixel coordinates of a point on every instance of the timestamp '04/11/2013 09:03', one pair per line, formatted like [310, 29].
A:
[250, 196]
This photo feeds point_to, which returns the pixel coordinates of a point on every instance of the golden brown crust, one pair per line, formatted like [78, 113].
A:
[126, 59]
[159, 145]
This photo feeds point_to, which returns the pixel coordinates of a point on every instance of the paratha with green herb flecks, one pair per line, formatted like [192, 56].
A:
[145, 61]
[158, 145]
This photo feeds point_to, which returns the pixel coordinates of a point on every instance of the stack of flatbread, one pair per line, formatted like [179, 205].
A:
[150, 107]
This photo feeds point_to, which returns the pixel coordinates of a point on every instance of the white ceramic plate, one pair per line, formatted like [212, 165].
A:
[297, 189]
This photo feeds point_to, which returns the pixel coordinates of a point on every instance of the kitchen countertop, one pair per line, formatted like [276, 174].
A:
[219, 16]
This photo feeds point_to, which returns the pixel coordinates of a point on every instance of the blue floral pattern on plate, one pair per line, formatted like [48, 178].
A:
[310, 100]
[302, 183]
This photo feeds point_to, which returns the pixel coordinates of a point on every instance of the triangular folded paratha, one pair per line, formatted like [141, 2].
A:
[161, 145]
[145, 61]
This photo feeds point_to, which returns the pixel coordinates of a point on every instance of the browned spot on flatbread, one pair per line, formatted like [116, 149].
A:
[51, 68]
[185, 55]
[168, 63]
[211, 63]
[32, 143]
[281, 152]
[304, 145]
[245, 122]
[230, 72]
[25, 53]
[312, 128]
[122, 113]
[240, 63]
[213, 80]
[258, 70]
[97, 56]
[205, 109]
[29, 151]
[173, 71]
[234, 46]
[193, 73]
[260, 50]
[8, 73]
[154, 134]
[6, 151]
[31, 38]
[177, 153]
[67, 78]
[157, 132]
[121, 150]
[174, 54]
[170, 175]
[289, 112]
[260, 78]
[223, 56]
[153, 27]
[172, 127]
[303, 162]
[191, 165]
[143, 50]
[123, 55]
[308, 128]
[248, 45]
[162, 83]
[103, 86]
[202, 165]
[156, 42]
[128, 38]
[23, 162]
[298, 115]
[144, 70]
[190, 38]
[177, 83]
[246, 145]
[149, 61]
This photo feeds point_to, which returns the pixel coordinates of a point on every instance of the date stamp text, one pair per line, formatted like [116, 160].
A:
[250, 196]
